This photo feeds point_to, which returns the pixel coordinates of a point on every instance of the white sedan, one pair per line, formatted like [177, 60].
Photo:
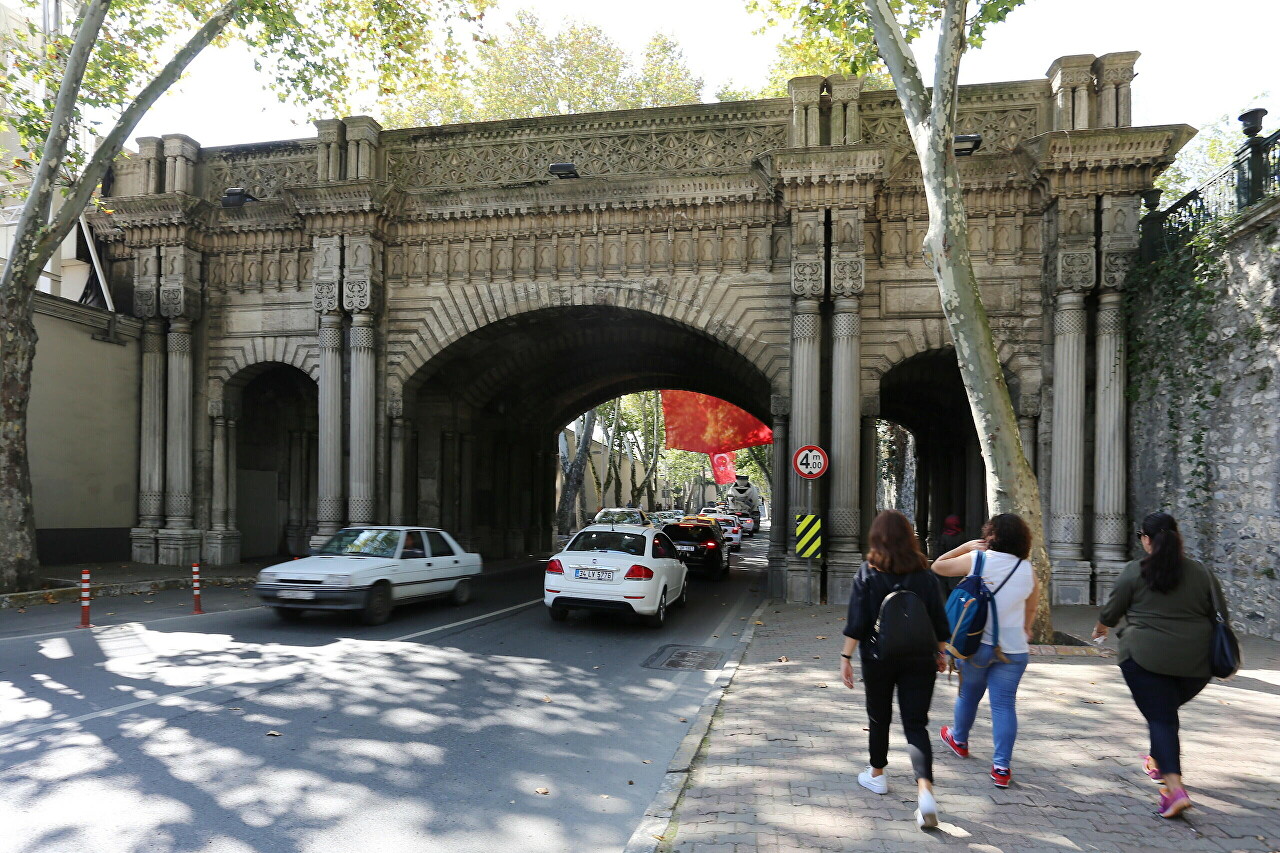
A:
[621, 567]
[732, 526]
[371, 570]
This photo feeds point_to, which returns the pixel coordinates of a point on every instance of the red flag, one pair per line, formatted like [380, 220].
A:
[722, 467]
[709, 425]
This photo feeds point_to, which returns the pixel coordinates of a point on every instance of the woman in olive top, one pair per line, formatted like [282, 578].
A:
[1167, 602]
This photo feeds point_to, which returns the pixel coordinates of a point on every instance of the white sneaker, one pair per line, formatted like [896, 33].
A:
[927, 813]
[875, 784]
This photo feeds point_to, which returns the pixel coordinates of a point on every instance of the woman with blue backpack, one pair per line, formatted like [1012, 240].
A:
[1000, 581]
[896, 618]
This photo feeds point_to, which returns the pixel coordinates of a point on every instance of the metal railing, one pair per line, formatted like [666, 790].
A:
[1252, 176]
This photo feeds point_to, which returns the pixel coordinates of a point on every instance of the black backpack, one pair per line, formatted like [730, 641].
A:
[903, 629]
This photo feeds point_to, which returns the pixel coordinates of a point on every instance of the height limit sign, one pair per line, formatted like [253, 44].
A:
[810, 462]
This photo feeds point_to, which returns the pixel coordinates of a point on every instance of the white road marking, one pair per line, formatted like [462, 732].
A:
[12, 737]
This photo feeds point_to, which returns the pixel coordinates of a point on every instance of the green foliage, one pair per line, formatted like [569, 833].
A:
[324, 55]
[1210, 152]
[803, 54]
[531, 71]
[842, 28]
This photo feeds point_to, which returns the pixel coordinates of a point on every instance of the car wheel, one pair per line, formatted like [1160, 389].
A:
[683, 600]
[288, 614]
[660, 616]
[461, 593]
[377, 605]
[558, 614]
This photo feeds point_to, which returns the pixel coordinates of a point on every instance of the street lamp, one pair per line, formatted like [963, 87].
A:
[966, 143]
[236, 197]
[563, 170]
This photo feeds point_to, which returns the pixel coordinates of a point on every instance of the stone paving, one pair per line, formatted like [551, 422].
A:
[777, 771]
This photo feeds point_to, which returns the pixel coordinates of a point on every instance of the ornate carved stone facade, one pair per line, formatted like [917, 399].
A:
[428, 307]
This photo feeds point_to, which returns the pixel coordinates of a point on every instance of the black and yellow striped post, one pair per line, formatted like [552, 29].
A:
[809, 536]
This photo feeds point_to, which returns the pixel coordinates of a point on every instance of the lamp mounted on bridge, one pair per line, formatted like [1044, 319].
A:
[966, 144]
[236, 197]
[563, 170]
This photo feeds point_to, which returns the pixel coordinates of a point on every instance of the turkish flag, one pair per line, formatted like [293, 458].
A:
[722, 467]
[709, 425]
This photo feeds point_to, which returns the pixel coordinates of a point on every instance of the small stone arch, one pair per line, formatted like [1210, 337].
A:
[229, 358]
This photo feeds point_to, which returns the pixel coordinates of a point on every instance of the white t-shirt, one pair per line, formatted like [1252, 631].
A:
[1011, 600]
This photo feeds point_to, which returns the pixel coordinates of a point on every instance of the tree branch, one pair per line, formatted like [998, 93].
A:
[946, 72]
[97, 167]
[897, 57]
[36, 209]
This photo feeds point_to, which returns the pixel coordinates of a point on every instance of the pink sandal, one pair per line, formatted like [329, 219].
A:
[1153, 771]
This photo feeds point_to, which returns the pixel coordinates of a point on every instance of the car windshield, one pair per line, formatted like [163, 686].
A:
[619, 516]
[608, 540]
[363, 543]
[688, 532]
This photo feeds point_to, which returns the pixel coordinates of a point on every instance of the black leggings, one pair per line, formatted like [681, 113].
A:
[1159, 697]
[914, 680]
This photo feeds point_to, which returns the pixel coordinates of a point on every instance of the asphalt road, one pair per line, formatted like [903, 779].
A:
[232, 732]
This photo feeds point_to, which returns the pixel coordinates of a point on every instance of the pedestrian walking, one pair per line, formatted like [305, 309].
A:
[897, 621]
[1167, 601]
[995, 670]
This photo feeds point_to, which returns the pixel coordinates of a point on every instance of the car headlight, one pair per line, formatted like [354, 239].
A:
[266, 577]
[338, 580]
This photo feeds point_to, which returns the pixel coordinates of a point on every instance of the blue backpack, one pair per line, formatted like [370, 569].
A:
[967, 609]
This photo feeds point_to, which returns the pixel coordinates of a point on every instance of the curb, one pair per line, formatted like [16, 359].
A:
[108, 590]
[652, 830]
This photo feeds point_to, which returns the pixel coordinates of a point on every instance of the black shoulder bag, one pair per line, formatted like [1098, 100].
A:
[1224, 653]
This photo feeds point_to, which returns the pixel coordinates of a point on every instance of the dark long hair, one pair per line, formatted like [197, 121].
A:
[892, 545]
[1162, 568]
[1009, 534]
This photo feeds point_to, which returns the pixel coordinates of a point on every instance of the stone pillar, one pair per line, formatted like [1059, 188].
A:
[151, 441]
[807, 285]
[1071, 80]
[222, 541]
[1111, 536]
[806, 93]
[1114, 72]
[296, 523]
[362, 147]
[180, 156]
[869, 473]
[779, 524]
[178, 543]
[330, 138]
[846, 128]
[326, 282]
[395, 409]
[847, 280]
[1074, 266]
[1028, 433]
[361, 282]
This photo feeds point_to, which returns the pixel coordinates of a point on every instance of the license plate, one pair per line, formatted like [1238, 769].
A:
[684, 547]
[298, 594]
[592, 575]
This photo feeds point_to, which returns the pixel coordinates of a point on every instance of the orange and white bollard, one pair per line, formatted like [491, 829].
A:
[84, 599]
[195, 587]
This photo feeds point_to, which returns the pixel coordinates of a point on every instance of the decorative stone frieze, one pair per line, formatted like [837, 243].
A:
[264, 172]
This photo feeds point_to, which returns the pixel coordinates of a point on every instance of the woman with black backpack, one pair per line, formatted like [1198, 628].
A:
[896, 617]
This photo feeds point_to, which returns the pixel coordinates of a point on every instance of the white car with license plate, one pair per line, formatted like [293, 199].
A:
[732, 527]
[619, 567]
[371, 570]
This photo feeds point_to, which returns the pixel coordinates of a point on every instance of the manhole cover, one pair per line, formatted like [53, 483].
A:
[685, 657]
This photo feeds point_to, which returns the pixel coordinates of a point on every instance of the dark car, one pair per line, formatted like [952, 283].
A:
[701, 546]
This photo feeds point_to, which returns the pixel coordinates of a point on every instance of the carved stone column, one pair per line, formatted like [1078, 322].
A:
[329, 501]
[178, 543]
[1071, 80]
[361, 280]
[1075, 275]
[847, 280]
[807, 286]
[1028, 433]
[806, 92]
[1114, 72]
[779, 525]
[222, 541]
[846, 128]
[395, 408]
[151, 436]
[1111, 537]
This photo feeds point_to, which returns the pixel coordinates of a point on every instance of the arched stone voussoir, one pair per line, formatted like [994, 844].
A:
[234, 362]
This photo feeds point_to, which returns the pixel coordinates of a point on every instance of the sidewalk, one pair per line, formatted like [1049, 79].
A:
[778, 768]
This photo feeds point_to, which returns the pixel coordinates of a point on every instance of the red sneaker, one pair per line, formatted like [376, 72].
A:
[960, 749]
[1001, 776]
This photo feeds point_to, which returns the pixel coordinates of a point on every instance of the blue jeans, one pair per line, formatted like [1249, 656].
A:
[983, 671]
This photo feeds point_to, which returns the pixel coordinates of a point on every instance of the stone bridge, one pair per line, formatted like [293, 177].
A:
[397, 327]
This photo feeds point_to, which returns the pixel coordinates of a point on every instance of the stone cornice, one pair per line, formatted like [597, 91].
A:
[584, 194]
[1110, 147]
[342, 197]
[165, 209]
[819, 177]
